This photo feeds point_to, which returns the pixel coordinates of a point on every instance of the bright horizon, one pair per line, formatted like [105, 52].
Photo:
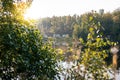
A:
[49, 8]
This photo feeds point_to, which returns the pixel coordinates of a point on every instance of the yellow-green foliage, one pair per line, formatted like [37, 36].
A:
[22, 51]
[96, 49]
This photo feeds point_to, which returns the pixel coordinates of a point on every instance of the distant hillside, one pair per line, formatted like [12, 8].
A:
[77, 25]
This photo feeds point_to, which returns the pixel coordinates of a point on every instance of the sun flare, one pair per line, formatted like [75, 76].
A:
[49, 8]
[33, 11]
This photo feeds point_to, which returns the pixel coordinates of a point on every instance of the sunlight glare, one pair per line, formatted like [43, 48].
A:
[49, 8]
[33, 11]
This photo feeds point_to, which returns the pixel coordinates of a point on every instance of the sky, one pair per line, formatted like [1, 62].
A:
[49, 8]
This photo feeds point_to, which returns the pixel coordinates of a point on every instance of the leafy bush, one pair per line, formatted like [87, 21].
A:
[22, 52]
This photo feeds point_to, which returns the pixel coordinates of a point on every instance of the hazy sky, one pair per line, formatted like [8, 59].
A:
[48, 8]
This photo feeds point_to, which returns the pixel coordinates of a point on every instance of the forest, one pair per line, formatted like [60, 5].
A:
[29, 49]
[77, 25]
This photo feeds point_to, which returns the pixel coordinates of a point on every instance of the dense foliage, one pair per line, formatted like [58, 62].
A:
[23, 54]
[91, 62]
[65, 24]
[95, 51]
[78, 26]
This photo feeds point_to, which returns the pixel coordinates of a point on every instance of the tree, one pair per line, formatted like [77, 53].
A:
[22, 51]
[76, 31]
[91, 64]
[95, 52]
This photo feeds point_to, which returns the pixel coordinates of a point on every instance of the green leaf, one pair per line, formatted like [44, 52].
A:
[90, 18]
[91, 29]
